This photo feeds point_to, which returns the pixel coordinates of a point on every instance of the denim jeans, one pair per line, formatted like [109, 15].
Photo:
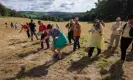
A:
[76, 42]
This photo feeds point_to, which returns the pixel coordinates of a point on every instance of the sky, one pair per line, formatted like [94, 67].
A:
[50, 5]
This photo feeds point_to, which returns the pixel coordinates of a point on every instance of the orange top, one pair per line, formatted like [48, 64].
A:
[77, 30]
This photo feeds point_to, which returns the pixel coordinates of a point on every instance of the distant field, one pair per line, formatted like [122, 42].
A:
[21, 60]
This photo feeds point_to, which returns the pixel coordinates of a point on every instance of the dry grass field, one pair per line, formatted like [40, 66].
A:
[21, 59]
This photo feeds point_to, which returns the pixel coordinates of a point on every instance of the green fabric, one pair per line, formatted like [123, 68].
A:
[61, 41]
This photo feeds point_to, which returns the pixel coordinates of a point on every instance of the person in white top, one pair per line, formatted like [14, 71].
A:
[115, 36]
[127, 37]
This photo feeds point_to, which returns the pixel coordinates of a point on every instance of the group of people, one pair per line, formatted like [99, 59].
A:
[123, 34]
[120, 33]
[14, 25]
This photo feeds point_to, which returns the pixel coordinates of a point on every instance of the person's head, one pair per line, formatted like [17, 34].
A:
[22, 25]
[39, 22]
[71, 21]
[31, 20]
[130, 19]
[118, 19]
[50, 27]
[96, 21]
[76, 19]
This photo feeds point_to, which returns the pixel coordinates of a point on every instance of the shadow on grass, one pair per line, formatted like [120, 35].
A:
[109, 52]
[115, 72]
[29, 53]
[129, 57]
[81, 64]
[19, 42]
[38, 71]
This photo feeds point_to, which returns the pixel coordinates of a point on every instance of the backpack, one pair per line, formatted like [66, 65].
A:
[130, 32]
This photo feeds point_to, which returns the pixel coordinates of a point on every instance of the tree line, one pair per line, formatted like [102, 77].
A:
[8, 12]
[108, 10]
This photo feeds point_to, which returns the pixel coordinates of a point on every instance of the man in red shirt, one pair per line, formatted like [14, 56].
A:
[26, 28]
[43, 32]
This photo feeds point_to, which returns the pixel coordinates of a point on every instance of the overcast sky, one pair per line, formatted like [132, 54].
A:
[50, 5]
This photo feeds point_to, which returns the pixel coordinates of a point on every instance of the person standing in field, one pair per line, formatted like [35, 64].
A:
[70, 27]
[115, 36]
[16, 25]
[55, 33]
[96, 38]
[77, 33]
[43, 32]
[11, 25]
[127, 37]
[6, 25]
[26, 28]
[33, 30]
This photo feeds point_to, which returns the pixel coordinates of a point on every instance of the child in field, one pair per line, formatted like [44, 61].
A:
[96, 39]
[43, 32]
[26, 28]
[56, 35]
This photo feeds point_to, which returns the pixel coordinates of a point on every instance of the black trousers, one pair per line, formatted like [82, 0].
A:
[125, 42]
[33, 33]
[76, 42]
[91, 49]
[70, 36]
[47, 41]
[28, 33]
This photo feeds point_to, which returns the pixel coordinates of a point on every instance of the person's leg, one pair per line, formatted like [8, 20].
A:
[28, 33]
[42, 37]
[117, 40]
[111, 41]
[78, 43]
[91, 49]
[31, 36]
[125, 42]
[69, 37]
[47, 43]
[59, 54]
[36, 35]
[75, 43]
[98, 51]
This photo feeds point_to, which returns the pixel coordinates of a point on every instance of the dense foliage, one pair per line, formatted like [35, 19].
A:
[8, 12]
[108, 10]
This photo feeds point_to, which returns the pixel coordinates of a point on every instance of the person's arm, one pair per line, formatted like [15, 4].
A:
[67, 25]
[21, 29]
[91, 30]
[112, 28]
[45, 38]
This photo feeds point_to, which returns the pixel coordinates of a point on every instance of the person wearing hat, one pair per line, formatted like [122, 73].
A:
[77, 33]
[127, 36]
[115, 35]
